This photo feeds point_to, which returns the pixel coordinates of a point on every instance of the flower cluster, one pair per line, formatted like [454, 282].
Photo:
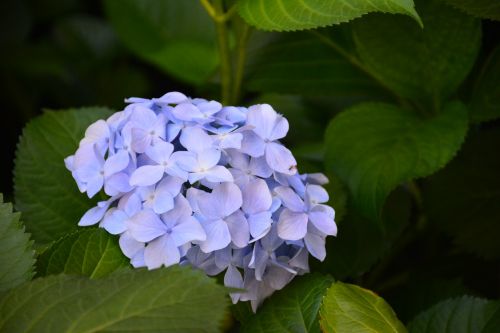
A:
[192, 182]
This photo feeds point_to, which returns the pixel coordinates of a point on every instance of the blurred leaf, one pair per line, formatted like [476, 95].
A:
[349, 308]
[293, 309]
[82, 37]
[485, 101]
[90, 252]
[287, 15]
[360, 242]
[16, 252]
[166, 300]
[300, 63]
[373, 147]
[418, 294]
[417, 63]
[44, 188]
[463, 198]
[487, 9]
[460, 315]
[176, 36]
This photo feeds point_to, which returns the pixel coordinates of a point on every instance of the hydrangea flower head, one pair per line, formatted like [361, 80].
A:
[192, 182]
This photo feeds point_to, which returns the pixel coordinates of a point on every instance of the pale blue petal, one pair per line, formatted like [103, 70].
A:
[116, 163]
[195, 139]
[323, 222]
[160, 152]
[262, 117]
[187, 111]
[256, 197]
[147, 175]
[161, 251]
[238, 228]
[93, 215]
[291, 225]
[259, 224]
[233, 279]
[280, 128]
[290, 199]
[129, 246]
[218, 174]
[114, 221]
[218, 236]
[252, 144]
[315, 245]
[280, 159]
[187, 230]
[316, 194]
[258, 166]
[173, 97]
[146, 226]
[117, 183]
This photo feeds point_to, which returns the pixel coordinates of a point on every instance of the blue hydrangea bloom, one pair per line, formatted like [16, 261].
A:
[193, 182]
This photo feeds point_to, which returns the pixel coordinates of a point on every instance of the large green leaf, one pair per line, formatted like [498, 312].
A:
[488, 9]
[300, 63]
[293, 309]
[91, 252]
[45, 191]
[460, 315]
[485, 100]
[373, 147]
[177, 36]
[287, 15]
[166, 300]
[349, 308]
[427, 63]
[468, 189]
[16, 253]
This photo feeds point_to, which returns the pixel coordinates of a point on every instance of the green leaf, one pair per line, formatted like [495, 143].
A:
[373, 147]
[361, 242]
[293, 309]
[287, 15]
[460, 315]
[485, 100]
[300, 63]
[16, 252]
[91, 252]
[420, 293]
[45, 191]
[349, 308]
[423, 64]
[468, 189]
[487, 9]
[166, 300]
[176, 36]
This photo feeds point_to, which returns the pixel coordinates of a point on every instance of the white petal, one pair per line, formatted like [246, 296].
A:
[291, 225]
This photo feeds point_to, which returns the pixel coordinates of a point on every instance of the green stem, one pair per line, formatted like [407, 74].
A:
[224, 53]
[355, 62]
[240, 62]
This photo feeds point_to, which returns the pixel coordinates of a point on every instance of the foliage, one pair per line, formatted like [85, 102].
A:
[397, 101]
[16, 253]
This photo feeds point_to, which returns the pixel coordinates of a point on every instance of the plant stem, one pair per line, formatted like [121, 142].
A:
[224, 53]
[240, 62]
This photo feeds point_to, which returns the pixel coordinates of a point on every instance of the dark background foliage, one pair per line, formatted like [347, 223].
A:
[437, 236]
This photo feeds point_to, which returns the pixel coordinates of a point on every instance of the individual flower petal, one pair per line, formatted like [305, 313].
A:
[280, 159]
[147, 175]
[238, 228]
[146, 226]
[316, 194]
[262, 117]
[256, 197]
[290, 199]
[323, 222]
[129, 246]
[218, 236]
[187, 230]
[233, 279]
[292, 225]
[161, 251]
[116, 163]
[252, 144]
[259, 224]
[114, 221]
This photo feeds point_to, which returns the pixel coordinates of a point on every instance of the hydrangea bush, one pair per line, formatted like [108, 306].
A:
[190, 181]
